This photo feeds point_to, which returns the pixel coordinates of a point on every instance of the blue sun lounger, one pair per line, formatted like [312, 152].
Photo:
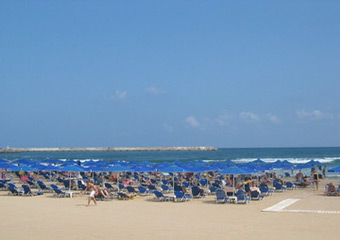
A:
[143, 191]
[279, 187]
[221, 197]
[42, 186]
[242, 197]
[109, 186]
[265, 190]
[131, 189]
[28, 191]
[14, 190]
[196, 192]
[160, 196]
[180, 196]
[165, 188]
[255, 195]
[290, 185]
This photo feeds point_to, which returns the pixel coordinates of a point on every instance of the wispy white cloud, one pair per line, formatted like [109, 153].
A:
[192, 121]
[223, 118]
[154, 91]
[167, 127]
[249, 116]
[273, 118]
[117, 96]
[313, 115]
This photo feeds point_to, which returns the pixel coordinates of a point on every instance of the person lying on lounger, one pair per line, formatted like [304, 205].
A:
[102, 193]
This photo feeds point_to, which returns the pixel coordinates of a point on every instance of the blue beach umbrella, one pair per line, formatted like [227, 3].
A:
[336, 169]
[118, 168]
[22, 168]
[234, 171]
[4, 165]
[142, 169]
[258, 162]
[71, 168]
[24, 161]
[50, 168]
[173, 169]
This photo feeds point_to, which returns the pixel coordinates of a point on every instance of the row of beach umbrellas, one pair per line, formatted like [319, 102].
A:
[224, 167]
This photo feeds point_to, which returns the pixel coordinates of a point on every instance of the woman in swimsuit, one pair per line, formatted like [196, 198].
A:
[315, 179]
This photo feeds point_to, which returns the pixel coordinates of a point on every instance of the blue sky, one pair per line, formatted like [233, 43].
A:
[170, 73]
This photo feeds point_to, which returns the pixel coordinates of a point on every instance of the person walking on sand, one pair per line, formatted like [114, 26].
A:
[90, 186]
[315, 177]
[324, 172]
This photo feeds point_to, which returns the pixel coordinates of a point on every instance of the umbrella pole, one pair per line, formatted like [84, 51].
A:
[118, 181]
[234, 185]
[69, 185]
[173, 183]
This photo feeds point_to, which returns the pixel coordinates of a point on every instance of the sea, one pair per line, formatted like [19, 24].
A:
[327, 155]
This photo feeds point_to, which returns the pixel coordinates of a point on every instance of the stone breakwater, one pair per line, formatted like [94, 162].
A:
[106, 149]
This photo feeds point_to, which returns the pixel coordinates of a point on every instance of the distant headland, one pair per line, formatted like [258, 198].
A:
[107, 149]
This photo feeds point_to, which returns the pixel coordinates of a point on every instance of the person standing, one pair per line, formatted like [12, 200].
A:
[324, 172]
[315, 177]
[90, 186]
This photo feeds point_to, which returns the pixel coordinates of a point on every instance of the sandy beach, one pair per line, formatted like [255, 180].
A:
[47, 217]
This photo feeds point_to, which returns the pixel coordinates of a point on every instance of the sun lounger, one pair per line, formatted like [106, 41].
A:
[143, 191]
[203, 182]
[81, 185]
[152, 187]
[2, 185]
[131, 189]
[221, 197]
[287, 174]
[242, 197]
[42, 186]
[13, 190]
[279, 187]
[290, 185]
[255, 195]
[165, 188]
[160, 196]
[196, 192]
[28, 191]
[124, 196]
[185, 184]
[180, 196]
[109, 186]
[58, 192]
[265, 191]
[213, 189]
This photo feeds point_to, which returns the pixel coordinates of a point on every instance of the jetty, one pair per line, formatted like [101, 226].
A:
[107, 149]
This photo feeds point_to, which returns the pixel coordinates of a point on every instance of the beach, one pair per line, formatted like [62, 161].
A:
[48, 217]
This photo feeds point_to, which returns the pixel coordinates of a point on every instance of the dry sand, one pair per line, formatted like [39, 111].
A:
[47, 217]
